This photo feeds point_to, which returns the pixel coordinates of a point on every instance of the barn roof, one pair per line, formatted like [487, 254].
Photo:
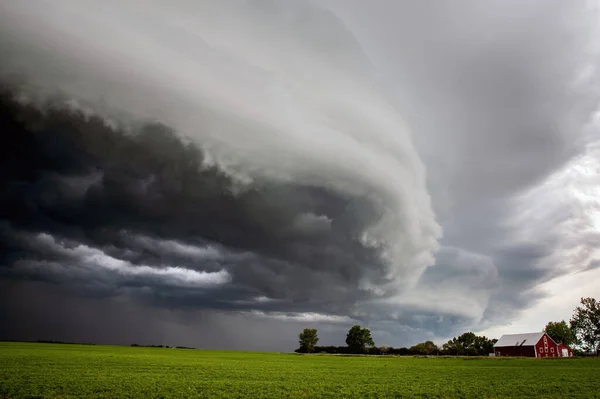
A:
[528, 339]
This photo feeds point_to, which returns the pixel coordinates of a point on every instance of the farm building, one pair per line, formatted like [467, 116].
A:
[565, 351]
[531, 345]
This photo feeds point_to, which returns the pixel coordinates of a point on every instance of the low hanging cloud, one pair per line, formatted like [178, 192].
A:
[298, 185]
[250, 161]
[85, 263]
[267, 119]
[149, 200]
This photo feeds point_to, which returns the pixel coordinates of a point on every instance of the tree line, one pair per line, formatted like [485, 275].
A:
[582, 334]
[160, 346]
[359, 341]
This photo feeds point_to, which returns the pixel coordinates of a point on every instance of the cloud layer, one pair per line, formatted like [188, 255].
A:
[252, 160]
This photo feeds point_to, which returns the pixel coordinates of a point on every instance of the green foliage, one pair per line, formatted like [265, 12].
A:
[425, 348]
[308, 340]
[29, 370]
[560, 332]
[586, 324]
[358, 339]
[469, 344]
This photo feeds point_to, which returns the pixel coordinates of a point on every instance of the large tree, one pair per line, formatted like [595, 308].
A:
[358, 339]
[560, 332]
[452, 347]
[586, 324]
[469, 344]
[425, 348]
[308, 340]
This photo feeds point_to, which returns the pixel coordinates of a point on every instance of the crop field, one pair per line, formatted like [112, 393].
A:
[29, 370]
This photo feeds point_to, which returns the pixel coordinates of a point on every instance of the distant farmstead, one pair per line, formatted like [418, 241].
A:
[531, 345]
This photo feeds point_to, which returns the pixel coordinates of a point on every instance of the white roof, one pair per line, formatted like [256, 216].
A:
[528, 339]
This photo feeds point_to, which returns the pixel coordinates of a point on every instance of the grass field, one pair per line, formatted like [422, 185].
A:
[29, 370]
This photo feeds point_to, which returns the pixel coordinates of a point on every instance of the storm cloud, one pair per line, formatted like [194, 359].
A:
[282, 163]
[93, 203]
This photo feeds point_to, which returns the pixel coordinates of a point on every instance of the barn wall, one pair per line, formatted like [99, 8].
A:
[561, 346]
[546, 347]
[527, 351]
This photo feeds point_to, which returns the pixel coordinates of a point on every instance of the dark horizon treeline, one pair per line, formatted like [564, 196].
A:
[46, 341]
[161, 346]
[52, 341]
[467, 344]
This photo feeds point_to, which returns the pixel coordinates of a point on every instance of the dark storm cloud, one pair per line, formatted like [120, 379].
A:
[303, 198]
[77, 192]
[283, 209]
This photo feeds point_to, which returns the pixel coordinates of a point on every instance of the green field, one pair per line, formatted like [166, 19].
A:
[30, 370]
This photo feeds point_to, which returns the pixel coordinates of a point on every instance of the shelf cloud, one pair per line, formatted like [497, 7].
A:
[270, 164]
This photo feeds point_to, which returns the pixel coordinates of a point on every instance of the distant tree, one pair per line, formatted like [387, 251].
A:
[586, 324]
[418, 349]
[458, 345]
[467, 339]
[308, 340]
[469, 344]
[484, 345]
[358, 339]
[452, 347]
[578, 352]
[385, 349]
[425, 348]
[560, 332]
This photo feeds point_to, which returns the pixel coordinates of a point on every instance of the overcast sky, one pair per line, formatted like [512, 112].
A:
[225, 174]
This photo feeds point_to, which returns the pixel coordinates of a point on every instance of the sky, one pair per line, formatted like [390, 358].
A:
[225, 174]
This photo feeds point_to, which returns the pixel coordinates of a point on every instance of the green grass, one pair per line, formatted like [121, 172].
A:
[29, 370]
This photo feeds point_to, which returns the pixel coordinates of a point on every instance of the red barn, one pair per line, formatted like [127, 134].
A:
[565, 351]
[531, 345]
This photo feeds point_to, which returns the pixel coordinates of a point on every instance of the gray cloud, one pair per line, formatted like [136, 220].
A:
[152, 214]
[280, 182]
[503, 96]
